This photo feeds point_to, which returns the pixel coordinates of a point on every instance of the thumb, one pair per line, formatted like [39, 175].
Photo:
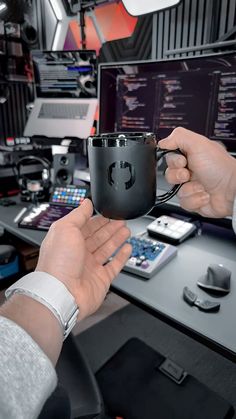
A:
[183, 139]
[79, 216]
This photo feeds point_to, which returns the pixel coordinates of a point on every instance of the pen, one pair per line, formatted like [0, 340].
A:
[19, 215]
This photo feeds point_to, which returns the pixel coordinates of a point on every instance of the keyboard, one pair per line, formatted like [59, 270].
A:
[63, 111]
[148, 255]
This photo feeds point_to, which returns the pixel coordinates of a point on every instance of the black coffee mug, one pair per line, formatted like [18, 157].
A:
[123, 174]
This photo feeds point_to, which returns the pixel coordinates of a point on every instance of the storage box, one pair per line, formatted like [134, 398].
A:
[28, 255]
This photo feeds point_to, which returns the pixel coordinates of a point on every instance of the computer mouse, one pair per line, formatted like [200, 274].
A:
[217, 279]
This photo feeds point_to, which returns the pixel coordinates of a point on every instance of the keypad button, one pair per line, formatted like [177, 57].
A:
[132, 261]
[139, 262]
[145, 264]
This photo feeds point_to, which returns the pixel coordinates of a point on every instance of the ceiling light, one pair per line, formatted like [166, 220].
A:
[57, 10]
[57, 37]
[3, 7]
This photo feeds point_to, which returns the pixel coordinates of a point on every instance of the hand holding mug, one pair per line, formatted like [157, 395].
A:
[210, 186]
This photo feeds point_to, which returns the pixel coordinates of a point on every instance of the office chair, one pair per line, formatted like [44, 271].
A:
[77, 395]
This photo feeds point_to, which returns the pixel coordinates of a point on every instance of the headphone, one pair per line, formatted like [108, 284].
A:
[34, 188]
[29, 34]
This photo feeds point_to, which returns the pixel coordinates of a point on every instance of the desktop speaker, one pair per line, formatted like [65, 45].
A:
[63, 165]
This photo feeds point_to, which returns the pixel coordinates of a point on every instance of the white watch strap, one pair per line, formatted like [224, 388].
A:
[50, 292]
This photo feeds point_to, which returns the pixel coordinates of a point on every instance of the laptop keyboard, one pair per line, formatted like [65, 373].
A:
[63, 111]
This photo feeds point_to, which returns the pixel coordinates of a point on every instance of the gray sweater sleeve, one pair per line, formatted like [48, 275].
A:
[27, 376]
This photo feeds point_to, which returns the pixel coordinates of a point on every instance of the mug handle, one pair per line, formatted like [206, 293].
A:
[161, 199]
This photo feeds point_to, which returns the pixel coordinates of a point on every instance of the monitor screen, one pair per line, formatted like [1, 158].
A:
[198, 93]
[66, 74]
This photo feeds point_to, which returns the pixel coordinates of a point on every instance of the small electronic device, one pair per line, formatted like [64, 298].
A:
[148, 255]
[217, 279]
[62, 201]
[7, 202]
[205, 305]
[170, 229]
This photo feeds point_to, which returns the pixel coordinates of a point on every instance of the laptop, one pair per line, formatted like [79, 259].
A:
[65, 90]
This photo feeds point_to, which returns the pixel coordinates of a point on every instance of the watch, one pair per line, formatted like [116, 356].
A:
[50, 292]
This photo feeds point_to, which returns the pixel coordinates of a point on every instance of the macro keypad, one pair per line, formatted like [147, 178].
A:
[148, 255]
[69, 195]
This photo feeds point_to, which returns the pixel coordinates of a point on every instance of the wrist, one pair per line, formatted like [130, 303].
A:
[50, 292]
[38, 321]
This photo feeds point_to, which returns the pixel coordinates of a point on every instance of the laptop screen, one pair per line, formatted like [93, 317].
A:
[65, 74]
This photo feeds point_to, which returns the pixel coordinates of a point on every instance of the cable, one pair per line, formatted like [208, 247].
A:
[168, 195]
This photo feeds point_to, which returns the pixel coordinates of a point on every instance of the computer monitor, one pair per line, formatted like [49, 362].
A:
[198, 93]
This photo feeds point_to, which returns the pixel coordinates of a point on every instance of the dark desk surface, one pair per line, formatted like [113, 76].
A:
[162, 294]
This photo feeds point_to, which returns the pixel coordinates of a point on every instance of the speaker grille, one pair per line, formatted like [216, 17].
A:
[63, 166]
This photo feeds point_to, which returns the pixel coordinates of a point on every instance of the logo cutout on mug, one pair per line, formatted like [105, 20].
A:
[121, 175]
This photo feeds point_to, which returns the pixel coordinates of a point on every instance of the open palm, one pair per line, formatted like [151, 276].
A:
[80, 247]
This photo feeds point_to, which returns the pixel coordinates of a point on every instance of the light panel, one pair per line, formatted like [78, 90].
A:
[142, 7]
[3, 7]
[57, 9]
